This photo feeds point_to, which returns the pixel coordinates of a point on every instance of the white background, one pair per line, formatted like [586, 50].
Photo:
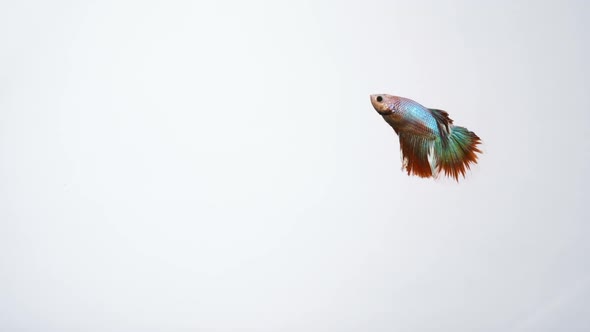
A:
[217, 166]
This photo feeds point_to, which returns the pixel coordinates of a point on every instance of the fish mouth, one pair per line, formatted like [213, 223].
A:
[388, 112]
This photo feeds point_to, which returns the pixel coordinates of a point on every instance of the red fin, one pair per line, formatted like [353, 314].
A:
[415, 155]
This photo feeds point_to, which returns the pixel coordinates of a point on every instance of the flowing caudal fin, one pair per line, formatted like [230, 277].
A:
[456, 152]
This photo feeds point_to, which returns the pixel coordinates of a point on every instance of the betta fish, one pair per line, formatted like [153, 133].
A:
[429, 142]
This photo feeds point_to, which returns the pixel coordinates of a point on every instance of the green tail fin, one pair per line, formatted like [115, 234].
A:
[455, 152]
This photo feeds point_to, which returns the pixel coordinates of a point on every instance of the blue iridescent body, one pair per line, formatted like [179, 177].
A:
[417, 115]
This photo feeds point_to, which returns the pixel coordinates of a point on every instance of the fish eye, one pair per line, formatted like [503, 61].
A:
[379, 99]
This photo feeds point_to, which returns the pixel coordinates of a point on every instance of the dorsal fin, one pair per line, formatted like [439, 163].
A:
[443, 122]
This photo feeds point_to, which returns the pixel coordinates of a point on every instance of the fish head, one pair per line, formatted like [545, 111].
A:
[383, 103]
